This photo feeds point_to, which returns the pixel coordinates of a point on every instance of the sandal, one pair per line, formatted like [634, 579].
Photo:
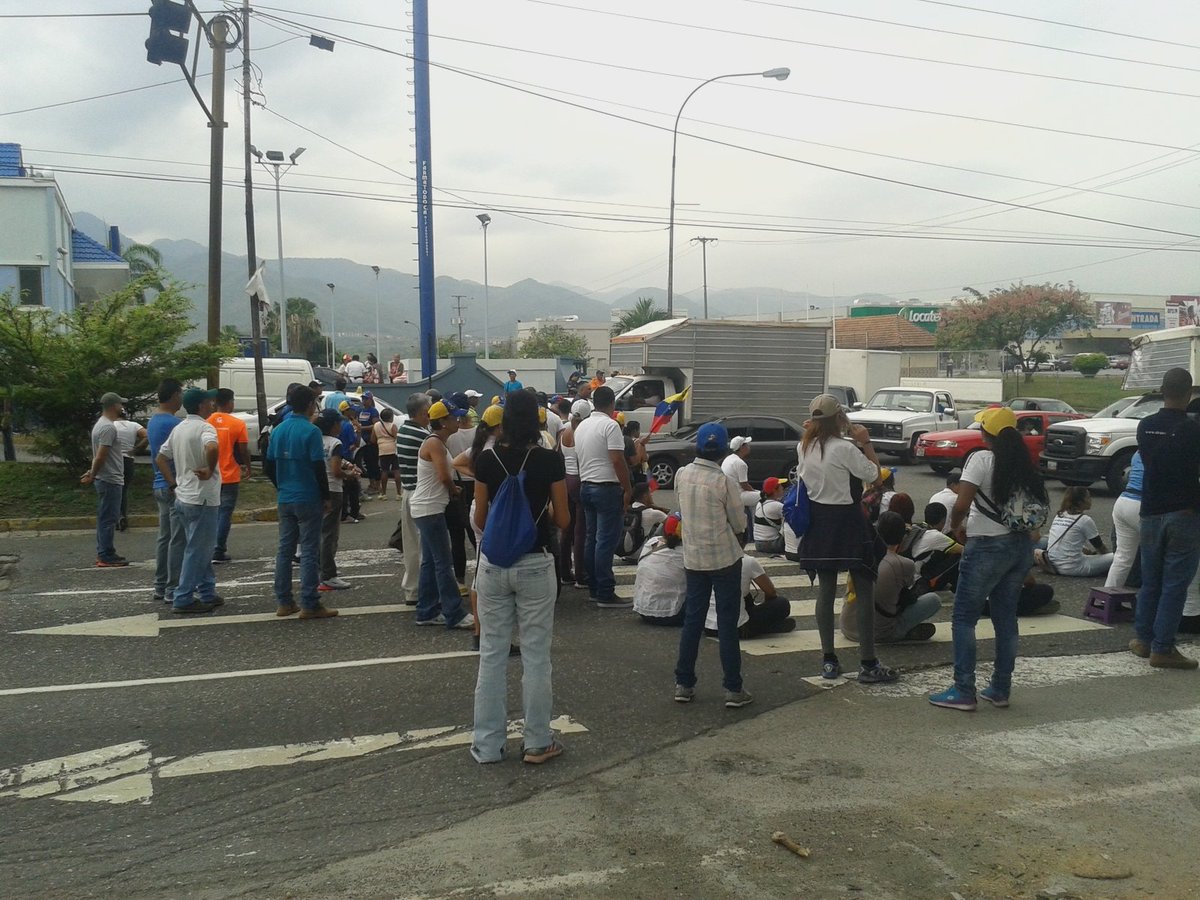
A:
[544, 754]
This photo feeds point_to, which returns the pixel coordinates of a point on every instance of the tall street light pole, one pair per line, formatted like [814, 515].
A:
[780, 74]
[378, 349]
[704, 242]
[332, 326]
[272, 161]
[485, 220]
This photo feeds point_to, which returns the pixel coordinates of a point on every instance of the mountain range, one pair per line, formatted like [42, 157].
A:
[355, 287]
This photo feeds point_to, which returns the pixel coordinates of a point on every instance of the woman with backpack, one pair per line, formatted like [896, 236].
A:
[1001, 502]
[515, 581]
[836, 460]
[1070, 532]
[768, 517]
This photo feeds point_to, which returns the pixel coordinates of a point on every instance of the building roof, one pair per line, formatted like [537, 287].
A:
[86, 250]
[881, 333]
[10, 161]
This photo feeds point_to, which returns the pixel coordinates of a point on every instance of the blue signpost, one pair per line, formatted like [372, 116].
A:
[425, 274]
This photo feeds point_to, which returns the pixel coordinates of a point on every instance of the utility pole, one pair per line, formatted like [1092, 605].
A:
[704, 242]
[215, 185]
[251, 256]
[458, 319]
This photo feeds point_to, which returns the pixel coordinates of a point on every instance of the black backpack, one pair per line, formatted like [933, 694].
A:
[633, 534]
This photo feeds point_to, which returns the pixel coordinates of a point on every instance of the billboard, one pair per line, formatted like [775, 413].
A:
[1182, 310]
[1147, 319]
[927, 317]
[1111, 314]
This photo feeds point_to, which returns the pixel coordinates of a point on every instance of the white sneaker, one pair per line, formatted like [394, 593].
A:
[467, 621]
[339, 584]
[436, 620]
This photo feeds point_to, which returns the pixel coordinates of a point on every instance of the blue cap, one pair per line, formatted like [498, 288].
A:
[712, 436]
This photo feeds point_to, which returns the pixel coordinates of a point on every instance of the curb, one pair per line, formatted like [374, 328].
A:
[71, 523]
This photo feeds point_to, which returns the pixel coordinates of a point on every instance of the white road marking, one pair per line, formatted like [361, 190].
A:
[782, 582]
[150, 625]
[1036, 810]
[125, 773]
[770, 565]
[221, 676]
[221, 586]
[809, 640]
[523, 887]
[1080, 740]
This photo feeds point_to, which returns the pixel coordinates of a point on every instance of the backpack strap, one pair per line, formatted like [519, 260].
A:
[994, 513]
[1078, 516]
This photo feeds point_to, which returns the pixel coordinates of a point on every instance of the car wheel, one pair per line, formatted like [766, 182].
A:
[662, 470]
[941, 468]
[793, 473]
[1118, 473]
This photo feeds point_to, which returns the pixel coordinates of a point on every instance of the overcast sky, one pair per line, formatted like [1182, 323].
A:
[580, 197]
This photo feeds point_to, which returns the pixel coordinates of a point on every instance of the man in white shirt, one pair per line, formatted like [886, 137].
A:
[659, 586]
[947, 497]
[736, 467]
[605, 492]
[129, 434]
[763, 610]
[196, 480]
[355, 369]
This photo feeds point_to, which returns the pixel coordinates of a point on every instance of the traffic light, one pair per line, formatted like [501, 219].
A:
[169, 25]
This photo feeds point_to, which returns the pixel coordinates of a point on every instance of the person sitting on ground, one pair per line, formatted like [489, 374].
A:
[652, 516]
[947, 497]
[763, 611]
[1035, 599]
[934, 552]
[659, 587]
[1071, 529]
[768, 517]
[900, 614]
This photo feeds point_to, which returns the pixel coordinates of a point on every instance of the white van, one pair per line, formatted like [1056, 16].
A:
[238, 375]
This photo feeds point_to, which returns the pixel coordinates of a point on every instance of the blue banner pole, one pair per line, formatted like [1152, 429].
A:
[425, 273]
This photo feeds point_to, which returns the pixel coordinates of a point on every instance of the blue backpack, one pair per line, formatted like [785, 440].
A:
[511, 530]
[795, 508]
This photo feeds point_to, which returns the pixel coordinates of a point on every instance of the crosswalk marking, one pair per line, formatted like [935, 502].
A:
[770, 564]
[781, 582]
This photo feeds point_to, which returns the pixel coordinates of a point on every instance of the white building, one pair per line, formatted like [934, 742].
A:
[596, 333]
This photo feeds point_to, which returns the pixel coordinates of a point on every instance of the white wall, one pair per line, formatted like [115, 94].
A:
[964, 390]
[864, 370]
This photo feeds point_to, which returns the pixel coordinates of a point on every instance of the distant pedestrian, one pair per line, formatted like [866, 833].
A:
[411, 435]
[368, 454]
[710, 505]
[396, 373]
[131, 436]
[335, 398]
[605, 492]
[371, 375]
[296, 465]
[355, 369]
[194, 448]
[168, 555]
[512, 384]
[329, 424]
[107, 474]
[571, 559]
[234, 442]
[385, 431]
[351, 442]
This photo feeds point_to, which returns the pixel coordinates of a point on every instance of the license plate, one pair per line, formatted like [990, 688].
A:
[920, 450]
[1051, 465]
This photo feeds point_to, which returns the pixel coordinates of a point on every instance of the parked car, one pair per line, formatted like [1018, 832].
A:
[896, 417]
[1065, 363]
[251, 419]
[949, 450]
[1043, 404]
[1120, 361]
[773, 451]
[1114, 409]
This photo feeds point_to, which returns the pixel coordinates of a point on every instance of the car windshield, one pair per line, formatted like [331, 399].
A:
[1113, 410]
[910, 401]
[618, 383]
[1147, 407]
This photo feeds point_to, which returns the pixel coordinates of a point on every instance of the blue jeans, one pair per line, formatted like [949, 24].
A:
[108, 510]
[299, 523]
[926, 607]
[199, 525]
[229, 498]
[436, 585]
[603, 506]
[726, 585]
[524, 595]
[168, 549]
[1170, 553]
[992, 571]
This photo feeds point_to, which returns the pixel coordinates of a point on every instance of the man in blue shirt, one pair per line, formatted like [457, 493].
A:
[351, 441]
[368, 454]
[335, 398]
[168, 557]
[512, 384]
[295, 464]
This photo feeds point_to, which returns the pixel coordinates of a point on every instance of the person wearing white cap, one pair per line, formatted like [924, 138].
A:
[735, 466]
[472, 407]
[512, 384]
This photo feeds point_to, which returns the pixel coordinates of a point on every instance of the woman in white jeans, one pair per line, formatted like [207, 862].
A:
[1127, 523]
[522, 593]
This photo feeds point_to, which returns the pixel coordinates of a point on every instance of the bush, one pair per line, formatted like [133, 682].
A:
[1090, 363]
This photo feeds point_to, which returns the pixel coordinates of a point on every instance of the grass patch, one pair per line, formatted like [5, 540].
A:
[35, 490]
[1085, 394]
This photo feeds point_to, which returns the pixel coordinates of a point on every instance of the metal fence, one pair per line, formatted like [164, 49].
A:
[954, 363]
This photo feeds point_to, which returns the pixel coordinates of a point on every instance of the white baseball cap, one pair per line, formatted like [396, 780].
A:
[738, 442]
[473, 394]
[581, 408]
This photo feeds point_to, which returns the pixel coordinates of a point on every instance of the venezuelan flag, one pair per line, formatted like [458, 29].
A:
[665, 411]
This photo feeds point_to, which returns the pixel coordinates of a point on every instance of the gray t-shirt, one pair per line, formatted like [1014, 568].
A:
[104, 434]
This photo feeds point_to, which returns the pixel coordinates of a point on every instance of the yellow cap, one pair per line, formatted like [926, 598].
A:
[620, 417]
[496, 400]
[996, 418]
[542, 415]
[492, 416]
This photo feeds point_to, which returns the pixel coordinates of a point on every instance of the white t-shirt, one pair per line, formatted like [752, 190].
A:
[333, 447]
[978, 471]
[751, 569]
[594, 438]
[827, 477]
[127, 432]
[736, 468]
[885, 502]
[791, 543]
[650, 517]
[355, 370]
[659, 588]
[929, 542]
[186, 447]
[553, 425]
[947, 498]
[1067, 536]
[772, 510]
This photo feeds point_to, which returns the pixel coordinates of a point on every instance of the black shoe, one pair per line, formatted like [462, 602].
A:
[922, 631]
[475, 642]
[1189, 625]
[196, 606]
[122, 524]
[219, 558]
[215, 600]
[514, 649]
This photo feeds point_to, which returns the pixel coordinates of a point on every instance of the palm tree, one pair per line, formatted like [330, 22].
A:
[144, 260]
[305, 337]
[643, 313]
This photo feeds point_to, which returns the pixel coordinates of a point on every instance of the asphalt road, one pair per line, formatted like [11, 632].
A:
[147, 815]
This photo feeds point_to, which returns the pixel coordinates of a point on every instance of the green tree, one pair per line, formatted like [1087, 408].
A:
[551, 341]
[448, 346]
[56, 366]
[305, 337]
[145, 260]
[643, 313]
[1019, 318]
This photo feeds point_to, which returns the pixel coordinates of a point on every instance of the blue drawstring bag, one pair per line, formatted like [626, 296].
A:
[795, 508]
[511, 530]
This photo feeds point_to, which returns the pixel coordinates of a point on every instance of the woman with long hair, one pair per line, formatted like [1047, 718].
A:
[487, 432]
[1071, 529]
[521, 594]
[996, 558]
[836, 459]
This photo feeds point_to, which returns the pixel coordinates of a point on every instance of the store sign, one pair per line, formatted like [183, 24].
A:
[1113, 315]
[1181, 310]
[1147, 319]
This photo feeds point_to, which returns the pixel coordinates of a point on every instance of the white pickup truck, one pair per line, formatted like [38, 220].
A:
[896, 417]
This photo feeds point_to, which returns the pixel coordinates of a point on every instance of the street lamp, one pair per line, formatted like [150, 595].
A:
[272, 160]
[332, 326]
[485, 220]
[779, 74]
[378, 351]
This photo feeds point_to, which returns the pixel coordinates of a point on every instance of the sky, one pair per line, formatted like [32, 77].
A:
[555, 118]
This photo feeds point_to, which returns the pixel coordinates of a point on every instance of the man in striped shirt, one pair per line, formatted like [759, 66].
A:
[409, 438]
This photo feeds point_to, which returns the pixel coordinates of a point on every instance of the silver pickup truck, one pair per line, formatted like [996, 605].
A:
[895, 417]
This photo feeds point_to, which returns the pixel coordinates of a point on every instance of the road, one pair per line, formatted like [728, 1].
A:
[241, 755]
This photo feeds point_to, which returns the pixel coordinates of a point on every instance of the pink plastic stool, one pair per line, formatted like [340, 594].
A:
[1104, 605]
